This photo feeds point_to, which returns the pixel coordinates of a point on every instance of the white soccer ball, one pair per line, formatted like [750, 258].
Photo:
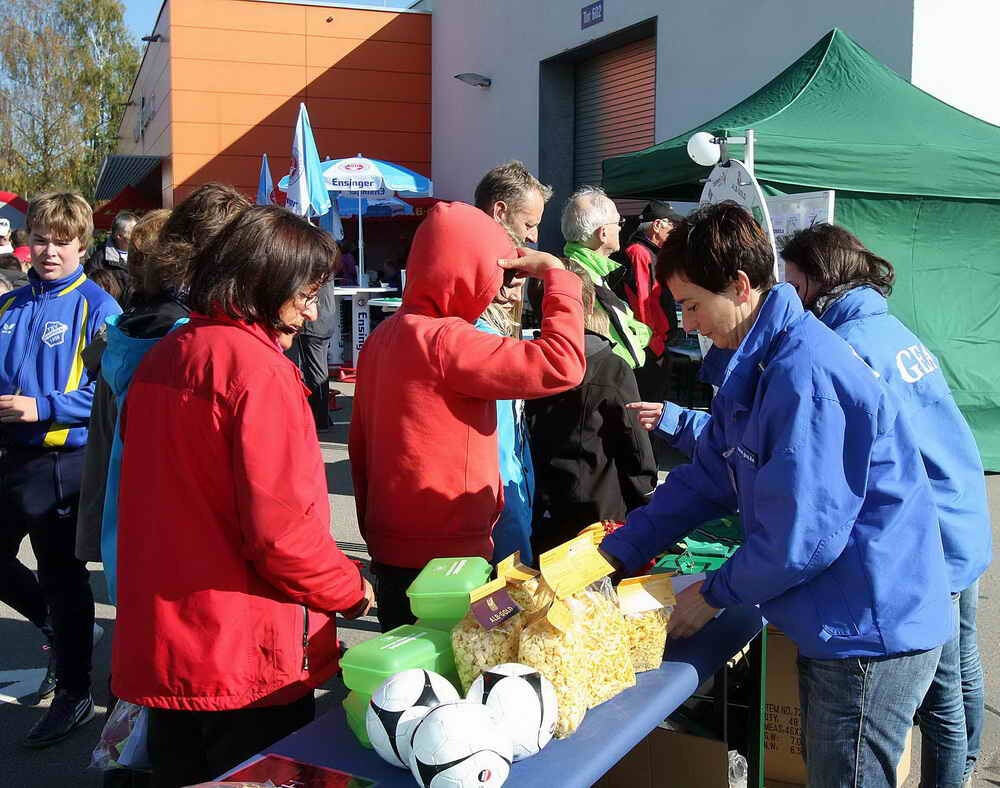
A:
[523, 700]
[460, 745]
[398, 705]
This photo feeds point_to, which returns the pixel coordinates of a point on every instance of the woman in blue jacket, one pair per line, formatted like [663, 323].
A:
[842, 547]
[846, 285]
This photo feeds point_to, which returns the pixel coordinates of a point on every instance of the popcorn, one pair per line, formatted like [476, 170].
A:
[605, 641]
[531, 594]
[477, 649]
[559, 657]
[647, 637]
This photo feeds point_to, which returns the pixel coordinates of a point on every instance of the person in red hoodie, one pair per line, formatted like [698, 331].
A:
[423, 443]
[228, 577]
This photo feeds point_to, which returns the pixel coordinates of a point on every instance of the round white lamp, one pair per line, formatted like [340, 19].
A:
[704, 150]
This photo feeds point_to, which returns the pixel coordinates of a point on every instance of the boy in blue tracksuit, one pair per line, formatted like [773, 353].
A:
[843, 550]
[45, 399]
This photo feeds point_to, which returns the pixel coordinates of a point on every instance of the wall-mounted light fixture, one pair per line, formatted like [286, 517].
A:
[476, 80]
[153, 39]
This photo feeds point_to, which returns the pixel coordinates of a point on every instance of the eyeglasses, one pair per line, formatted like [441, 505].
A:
[307, 300]
[620, 221]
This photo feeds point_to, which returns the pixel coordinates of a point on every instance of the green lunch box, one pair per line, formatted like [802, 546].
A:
[441, 591]
[356, 707]
[366, 665]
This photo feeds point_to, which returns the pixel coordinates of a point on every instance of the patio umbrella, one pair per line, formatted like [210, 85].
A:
[265, 186]
[371, 180]
[306, 195]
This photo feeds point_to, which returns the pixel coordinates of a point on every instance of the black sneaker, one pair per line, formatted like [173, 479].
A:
[66, 713]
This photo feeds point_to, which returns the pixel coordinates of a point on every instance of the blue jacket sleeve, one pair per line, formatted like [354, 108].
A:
[73, 408]
[691, 495]
[806, 495]
[680, 427]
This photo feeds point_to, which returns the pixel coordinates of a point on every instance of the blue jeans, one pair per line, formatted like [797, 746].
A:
[972, 673]
[951, 716]
[944, 742]
[856, 714]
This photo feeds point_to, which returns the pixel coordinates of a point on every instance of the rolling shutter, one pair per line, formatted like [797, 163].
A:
[615, 108]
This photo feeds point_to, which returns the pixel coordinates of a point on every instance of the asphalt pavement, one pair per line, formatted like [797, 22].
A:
[22, 661]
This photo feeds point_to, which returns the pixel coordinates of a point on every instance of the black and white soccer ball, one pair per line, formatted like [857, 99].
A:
[398, 705]
[523, 700]
[460, 745]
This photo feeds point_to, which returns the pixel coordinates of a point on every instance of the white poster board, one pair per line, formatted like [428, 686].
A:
[793, 212]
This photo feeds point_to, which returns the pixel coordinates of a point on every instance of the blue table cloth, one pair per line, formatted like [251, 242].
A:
[606, 734]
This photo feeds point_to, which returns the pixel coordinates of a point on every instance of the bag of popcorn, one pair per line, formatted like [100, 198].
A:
[524, 584]
[646, 604]
[552, 643]
[605, 640]
[489, 634]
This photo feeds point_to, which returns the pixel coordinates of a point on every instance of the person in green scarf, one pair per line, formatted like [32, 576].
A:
[591, 226]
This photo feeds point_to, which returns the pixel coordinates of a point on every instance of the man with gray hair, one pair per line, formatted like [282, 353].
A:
[591, 226]
[112, 256]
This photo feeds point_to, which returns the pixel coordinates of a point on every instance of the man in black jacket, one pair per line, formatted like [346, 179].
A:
[592, 459]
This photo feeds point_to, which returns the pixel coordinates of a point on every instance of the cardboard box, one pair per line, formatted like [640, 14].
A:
[783, 764]
[667, 757]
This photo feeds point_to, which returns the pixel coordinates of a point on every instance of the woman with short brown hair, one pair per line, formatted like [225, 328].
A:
[229, 576]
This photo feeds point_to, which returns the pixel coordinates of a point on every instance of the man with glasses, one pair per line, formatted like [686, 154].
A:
[652, 303]
[591, 226]
[310, 348]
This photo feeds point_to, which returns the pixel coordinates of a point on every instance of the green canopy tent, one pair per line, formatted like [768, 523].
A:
[916, 179]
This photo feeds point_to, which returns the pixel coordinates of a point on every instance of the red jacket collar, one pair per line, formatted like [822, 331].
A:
[268, 336]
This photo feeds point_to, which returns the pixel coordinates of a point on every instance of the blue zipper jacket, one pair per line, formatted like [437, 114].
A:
[951, 458]
[843, 550]
[118, 365]
[44, 328]
[513, 529]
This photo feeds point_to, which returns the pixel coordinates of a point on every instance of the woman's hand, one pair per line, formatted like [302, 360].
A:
[648, 413]
[363, 606]
[691, 613]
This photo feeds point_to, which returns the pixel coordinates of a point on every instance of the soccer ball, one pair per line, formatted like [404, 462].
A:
[398, 705]
[523, 700]
[460, 745]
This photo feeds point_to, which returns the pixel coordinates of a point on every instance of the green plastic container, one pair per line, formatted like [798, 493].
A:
[366, 665]
[356, 707]
[442, 624]
[441, 591]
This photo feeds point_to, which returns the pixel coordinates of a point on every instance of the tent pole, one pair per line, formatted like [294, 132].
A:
[748, 151]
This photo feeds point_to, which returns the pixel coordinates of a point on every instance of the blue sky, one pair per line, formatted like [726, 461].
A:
[140, 15]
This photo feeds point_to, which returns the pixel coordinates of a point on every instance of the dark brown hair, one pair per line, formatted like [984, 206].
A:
[192, 225]
[711, 245]
[259, 262]
[836, 261]
[108, 282]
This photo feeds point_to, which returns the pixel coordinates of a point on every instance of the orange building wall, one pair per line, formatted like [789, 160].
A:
[154, 83]
[238, 70]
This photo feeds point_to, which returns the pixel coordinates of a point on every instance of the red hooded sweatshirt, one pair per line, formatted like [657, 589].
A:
[423, 443]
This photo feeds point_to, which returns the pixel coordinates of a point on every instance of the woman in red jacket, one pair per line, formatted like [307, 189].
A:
[228, 576]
